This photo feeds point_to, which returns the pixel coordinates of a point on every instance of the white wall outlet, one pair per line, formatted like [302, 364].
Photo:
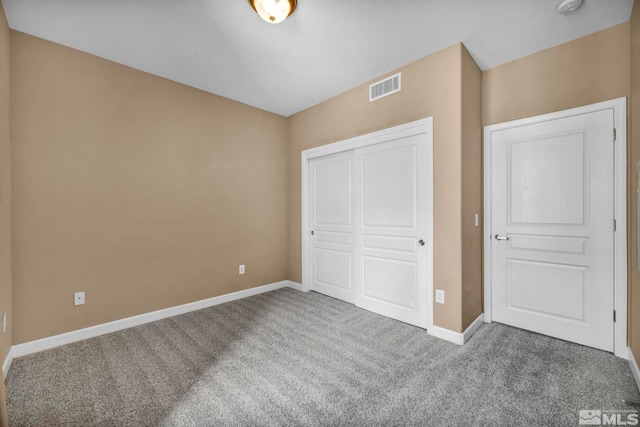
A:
[78, 298]
[477, 220]
[241, 269]
[439, 296]
[4, 322]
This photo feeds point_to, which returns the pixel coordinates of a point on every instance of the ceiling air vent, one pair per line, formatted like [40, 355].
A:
[385, 87]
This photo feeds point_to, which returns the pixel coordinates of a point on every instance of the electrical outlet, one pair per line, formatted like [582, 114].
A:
[241, 269]
[477, 220]
[439, 296]
[4, 322]
[78, 298]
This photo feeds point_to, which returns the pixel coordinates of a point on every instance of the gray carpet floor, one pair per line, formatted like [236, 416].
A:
[288, 358]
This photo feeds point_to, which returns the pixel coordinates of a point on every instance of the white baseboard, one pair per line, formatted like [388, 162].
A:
[117, 325]
[634, 368]
[457, 337]
[446, 334]
[473, 327]
[294, 285]
[7, 363]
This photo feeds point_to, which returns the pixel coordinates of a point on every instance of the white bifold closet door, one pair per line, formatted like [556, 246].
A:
[369, 211]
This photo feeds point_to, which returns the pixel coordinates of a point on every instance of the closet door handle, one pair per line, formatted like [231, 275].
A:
[421, 242]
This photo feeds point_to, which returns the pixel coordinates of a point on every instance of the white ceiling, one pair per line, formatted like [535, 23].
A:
[325, 48]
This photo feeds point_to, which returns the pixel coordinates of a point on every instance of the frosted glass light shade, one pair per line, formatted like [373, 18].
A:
[273, 11]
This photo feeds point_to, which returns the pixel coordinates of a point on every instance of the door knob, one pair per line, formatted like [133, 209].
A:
[499, 237]
[421, 242]
[313, 232]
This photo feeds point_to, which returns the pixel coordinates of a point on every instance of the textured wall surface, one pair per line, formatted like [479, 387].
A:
[431, 87]
[142, 192]
[6, 297]
[634, 157]
[584, 71]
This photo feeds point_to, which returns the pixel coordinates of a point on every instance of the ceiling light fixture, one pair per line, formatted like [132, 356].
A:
[273, 11]
[567, 6]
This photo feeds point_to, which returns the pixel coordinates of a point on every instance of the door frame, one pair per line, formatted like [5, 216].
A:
[619, 107]
[423, 126]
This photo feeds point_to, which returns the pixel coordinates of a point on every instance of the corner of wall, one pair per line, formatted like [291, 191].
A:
[471, 221]
[144, 202]
[633, 332]
[6, 297]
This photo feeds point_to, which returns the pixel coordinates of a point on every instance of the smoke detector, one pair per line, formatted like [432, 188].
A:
[568, 6]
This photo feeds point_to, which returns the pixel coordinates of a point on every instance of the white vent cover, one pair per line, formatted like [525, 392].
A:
[385, 87]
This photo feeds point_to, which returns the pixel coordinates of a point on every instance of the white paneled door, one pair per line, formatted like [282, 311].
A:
[331, 195]
[552, 243]
[392, 229]
[370, 233]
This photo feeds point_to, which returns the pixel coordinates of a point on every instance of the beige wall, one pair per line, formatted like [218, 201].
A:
[112, 173]
[147, 194]
[431, 87]
[471, 190]
[634, 157]
[5, 187]
[584, 71]
[5, 204]
[142, 192]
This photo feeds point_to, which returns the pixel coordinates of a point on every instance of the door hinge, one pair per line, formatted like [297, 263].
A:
[614, 134]
[614, 315]
[615, 225]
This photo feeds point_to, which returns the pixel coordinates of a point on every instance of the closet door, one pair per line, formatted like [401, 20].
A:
[331, 220]
[392, 239]
[369, 239]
